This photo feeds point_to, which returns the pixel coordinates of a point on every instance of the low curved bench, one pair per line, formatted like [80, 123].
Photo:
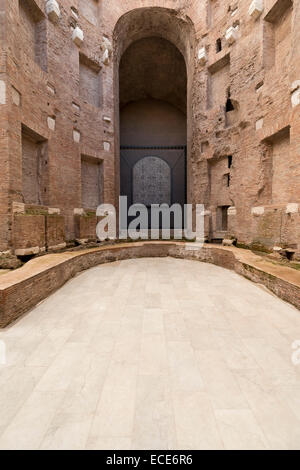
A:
[24, 288]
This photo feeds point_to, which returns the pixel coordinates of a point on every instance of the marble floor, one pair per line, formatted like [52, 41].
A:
[153, 354]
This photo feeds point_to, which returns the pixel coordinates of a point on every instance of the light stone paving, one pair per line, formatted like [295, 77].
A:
[153, 354]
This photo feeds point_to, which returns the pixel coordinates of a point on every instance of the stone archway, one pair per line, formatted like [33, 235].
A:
[162, 97]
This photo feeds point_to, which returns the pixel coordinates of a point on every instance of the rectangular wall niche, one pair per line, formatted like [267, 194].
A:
[277, 34]
[222, 218]
[218, 177]
[34, 167]
[91, 182]
[282, 167]
[89, 81]
[216, 10]
[34, 34]
[218, 83]
[90, 10]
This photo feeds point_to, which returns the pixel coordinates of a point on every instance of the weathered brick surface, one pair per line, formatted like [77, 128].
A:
[85, 227]
[40, 65]
[29, 231]
[55, 231]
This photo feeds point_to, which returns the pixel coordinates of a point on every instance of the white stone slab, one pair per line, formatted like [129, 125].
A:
[51, 123]
[53, 211]
[295, 93]
[259, 210]
[76, 136]
[2, 92]
[18, 208]
[106, 146]
[35, 250]
[78, 211]
[232, 211]
[202, 56]
[78, 36]
[16, 97]
[105, 57]
[53, 10]
[231, 35]
[292, 208]
[259, 124]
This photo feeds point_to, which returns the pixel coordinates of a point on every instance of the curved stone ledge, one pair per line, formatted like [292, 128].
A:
[23, 289]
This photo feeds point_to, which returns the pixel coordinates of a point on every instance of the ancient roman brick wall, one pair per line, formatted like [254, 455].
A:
[243, 102]
[57, 102]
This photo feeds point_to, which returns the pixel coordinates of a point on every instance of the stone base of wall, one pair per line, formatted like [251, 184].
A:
[23, 289]
[37, 229]
[55, 232]
[29, 234]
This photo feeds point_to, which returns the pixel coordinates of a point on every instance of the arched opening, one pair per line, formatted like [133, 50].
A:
[153, 54]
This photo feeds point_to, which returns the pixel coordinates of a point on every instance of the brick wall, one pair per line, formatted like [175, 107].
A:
[89, 81]
[29, 233]
[41, 63]
[92, 182]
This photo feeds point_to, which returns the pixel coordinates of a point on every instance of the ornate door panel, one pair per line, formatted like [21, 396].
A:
[153, 175]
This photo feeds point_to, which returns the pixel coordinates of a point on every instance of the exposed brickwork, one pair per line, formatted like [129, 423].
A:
[85, 227]
[55, 231]
[238, 104]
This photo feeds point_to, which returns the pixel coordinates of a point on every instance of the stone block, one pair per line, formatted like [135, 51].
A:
[18, 208]
[256, 9]
[202, 56]
[53, 211]
[106, 146]
[259, 124]
[16, 96]
[106, 44]
[51, 89]
[105, 57]
[51, 123]
[53, 10]
[231, 35]
[78, 36]
[229, 242]
[76, 136]
[295, 93]
[292, 208]
[257, 211]
[232, 211]
[2, 92]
